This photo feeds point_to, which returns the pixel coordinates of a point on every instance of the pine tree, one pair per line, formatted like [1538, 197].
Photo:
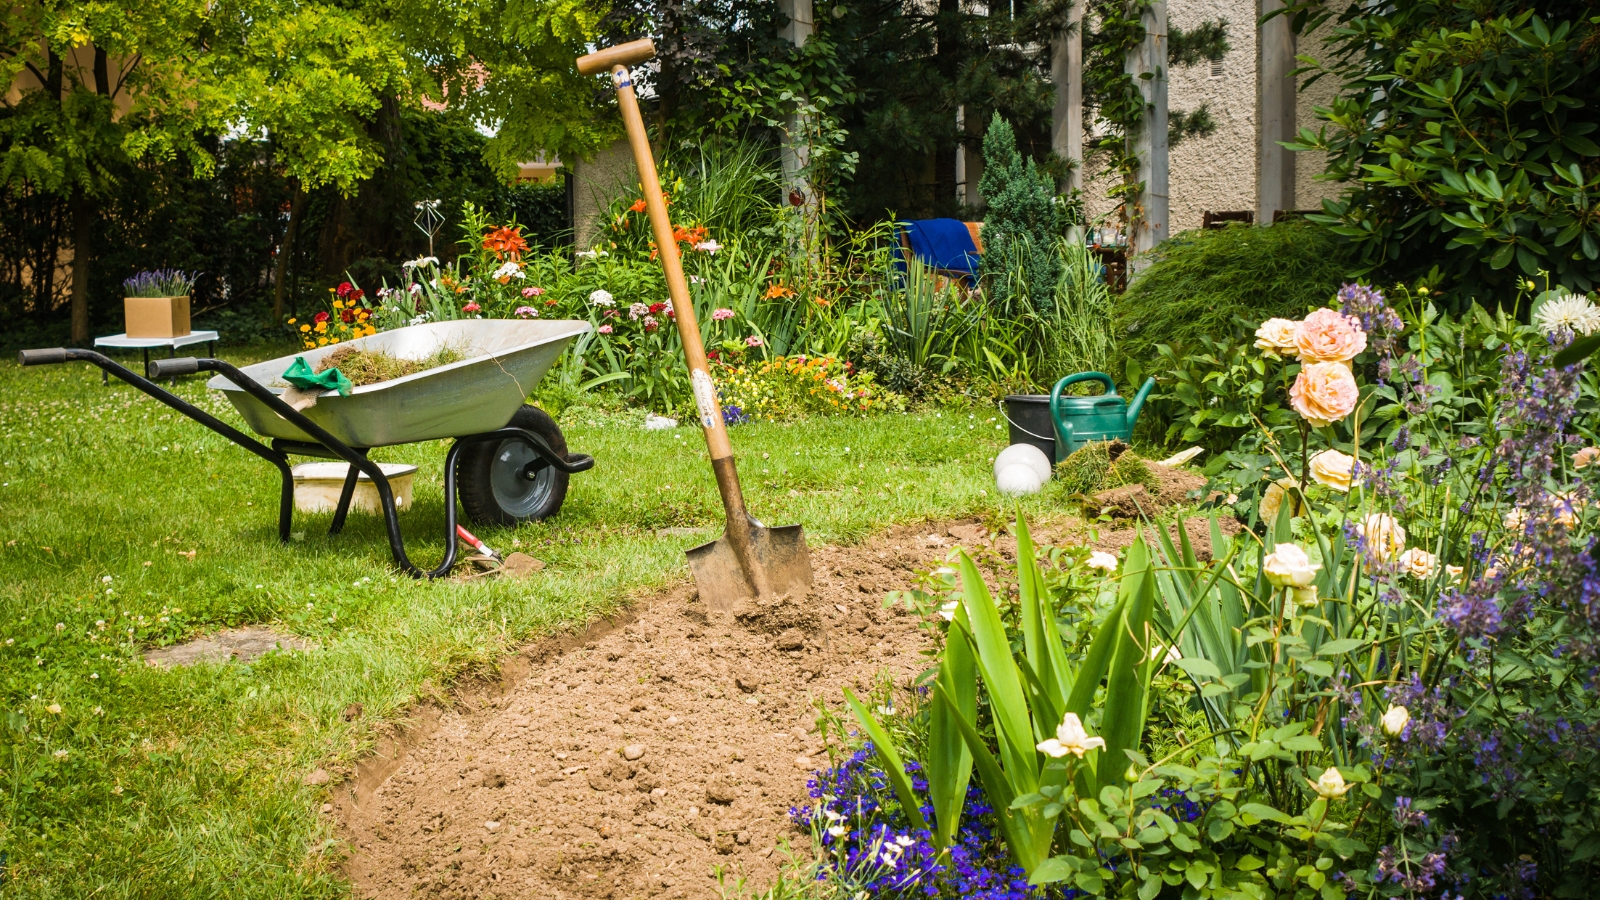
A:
[1020, 262]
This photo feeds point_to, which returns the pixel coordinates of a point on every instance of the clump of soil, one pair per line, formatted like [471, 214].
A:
[372, 366]
[637, 759]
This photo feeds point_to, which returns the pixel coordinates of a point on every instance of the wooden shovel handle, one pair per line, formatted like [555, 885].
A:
[629, 54]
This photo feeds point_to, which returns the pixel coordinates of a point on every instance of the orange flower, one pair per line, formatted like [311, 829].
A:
[505, 241]
[778, 291]
[638, 206]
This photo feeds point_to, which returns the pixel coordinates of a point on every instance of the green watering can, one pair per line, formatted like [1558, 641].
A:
[1107, 417]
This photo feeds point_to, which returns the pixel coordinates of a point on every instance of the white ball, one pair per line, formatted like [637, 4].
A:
[1017, 479]
[1028, 454]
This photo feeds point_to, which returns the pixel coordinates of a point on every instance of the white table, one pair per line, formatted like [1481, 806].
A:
[122, 341]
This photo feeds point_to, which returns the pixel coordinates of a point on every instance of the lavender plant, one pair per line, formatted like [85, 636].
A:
[159, 283]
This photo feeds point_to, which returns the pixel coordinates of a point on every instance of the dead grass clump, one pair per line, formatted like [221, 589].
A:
[372, 366]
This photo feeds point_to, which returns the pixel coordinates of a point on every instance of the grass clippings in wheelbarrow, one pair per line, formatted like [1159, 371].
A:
[373, 366]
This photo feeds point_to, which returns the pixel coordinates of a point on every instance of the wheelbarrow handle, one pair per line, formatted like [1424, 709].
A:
[167, 368]
[42, 357]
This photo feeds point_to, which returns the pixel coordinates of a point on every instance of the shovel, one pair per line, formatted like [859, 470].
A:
[750, 560]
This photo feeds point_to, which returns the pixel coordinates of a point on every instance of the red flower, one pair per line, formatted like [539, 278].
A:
[610, 314]
[344, 290]
[320, 317]
[357, 294]
[347, 316]
[657, 307]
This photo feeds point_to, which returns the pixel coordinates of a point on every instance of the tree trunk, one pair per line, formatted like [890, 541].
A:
[280, 270]
[372, 223]
[82, 235]
[947, 58]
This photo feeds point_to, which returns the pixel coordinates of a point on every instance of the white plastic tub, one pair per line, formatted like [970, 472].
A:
[317, 486]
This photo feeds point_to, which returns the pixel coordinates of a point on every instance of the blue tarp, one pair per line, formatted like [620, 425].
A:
[943, 244]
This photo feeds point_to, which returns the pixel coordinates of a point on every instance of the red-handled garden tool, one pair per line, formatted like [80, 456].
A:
[749, 560]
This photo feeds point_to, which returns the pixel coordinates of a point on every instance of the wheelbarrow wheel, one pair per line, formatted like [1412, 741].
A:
[506, 483]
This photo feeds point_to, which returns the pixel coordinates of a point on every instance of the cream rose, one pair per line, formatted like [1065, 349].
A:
[1329, 336]
[1272, 500]
[1276, 338]
[1330, 785]
[1334, 469]
[1324, 392]
[1383, 535]
[1394, 721]
[1289, 566]
[1419, 563]
[1586, 457]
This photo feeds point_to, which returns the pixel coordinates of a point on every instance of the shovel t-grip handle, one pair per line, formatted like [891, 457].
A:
[739, 524]
[629, 54]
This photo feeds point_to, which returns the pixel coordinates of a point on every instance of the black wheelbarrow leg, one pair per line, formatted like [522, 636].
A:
[346, 494]
[356, 458]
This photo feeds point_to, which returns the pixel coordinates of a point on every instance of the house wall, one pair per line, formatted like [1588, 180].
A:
[1218, 173]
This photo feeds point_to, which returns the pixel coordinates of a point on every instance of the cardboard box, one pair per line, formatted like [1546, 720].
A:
[156, 317]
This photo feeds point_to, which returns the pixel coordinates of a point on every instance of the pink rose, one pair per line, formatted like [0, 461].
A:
[1324, 393]
[1329, 336]
[604, 329]
[532, 291]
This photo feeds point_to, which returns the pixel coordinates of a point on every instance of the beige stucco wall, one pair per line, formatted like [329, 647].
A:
[1217, 172]
[1308, 191]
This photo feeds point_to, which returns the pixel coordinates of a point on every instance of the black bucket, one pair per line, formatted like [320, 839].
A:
[1029, 415]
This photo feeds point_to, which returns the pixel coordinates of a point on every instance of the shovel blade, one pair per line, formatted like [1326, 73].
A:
[781, 552]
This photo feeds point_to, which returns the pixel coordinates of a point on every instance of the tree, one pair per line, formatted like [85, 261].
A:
[1020, 260]
[1463, 137]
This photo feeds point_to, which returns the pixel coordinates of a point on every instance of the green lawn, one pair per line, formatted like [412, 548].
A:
[188, 783]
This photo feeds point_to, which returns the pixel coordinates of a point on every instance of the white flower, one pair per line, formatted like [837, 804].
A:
[602, 297]
[61, 754]
[416, 288]
[1330, 786]
[590, 254]
[420, 261]
[1289, 566]
[1100, 559]
[508, 270]
[947, 612]
[1572, 312]
[1383, 534]
[1070, 738]
[1419, 562]
[105, 579]
[838, 831]
[638, 309]
[419, 319]
[1334, 469]
[1394, 721]
[1164, 653]
[708, 246]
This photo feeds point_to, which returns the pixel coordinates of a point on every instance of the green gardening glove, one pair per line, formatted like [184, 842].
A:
[300, 375]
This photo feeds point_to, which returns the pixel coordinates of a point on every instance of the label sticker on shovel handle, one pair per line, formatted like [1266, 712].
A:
[705, 397]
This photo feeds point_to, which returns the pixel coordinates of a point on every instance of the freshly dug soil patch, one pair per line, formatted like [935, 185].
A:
[635, 760]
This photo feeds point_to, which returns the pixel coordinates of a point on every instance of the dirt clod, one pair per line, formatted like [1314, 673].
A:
[352, 712]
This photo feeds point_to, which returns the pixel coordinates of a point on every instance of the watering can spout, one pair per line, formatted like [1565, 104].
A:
[1137, 404]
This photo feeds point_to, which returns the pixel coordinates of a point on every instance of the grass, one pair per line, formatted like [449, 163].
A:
[188, 783]
[372, 366]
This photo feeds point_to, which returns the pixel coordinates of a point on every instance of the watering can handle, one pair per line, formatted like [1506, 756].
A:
[1103, 378]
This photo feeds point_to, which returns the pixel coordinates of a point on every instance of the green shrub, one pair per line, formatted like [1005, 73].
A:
[1020, 261]
[1201, 280]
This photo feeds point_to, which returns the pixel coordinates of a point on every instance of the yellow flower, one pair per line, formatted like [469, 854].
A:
[338, 304]
[322, 341]
[292, 320]
[305, 327]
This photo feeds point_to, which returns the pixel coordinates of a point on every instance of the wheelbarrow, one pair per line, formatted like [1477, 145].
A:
[509, 459]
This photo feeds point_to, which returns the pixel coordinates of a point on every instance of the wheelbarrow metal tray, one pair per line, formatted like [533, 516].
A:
[505, 360]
